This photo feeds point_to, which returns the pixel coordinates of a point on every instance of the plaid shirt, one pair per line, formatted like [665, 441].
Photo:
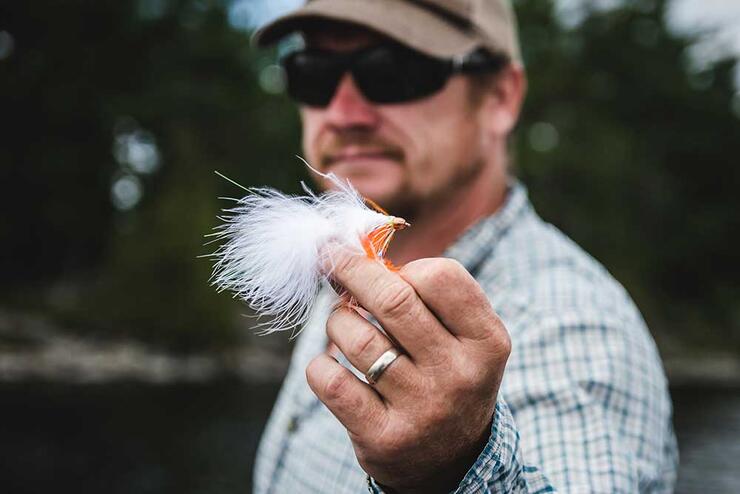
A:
[583, 406]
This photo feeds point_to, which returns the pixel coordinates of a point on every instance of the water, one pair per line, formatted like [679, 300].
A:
[707, 422]
[187, 439]
[130, 438]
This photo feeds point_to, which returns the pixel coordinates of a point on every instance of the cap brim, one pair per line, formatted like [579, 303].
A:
[404, 22]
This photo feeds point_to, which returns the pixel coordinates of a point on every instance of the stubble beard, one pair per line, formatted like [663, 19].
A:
[414, 206]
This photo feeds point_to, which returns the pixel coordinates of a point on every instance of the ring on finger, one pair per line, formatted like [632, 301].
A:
[380, 365]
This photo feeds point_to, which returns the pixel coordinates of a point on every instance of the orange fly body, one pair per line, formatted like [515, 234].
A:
[377, 241]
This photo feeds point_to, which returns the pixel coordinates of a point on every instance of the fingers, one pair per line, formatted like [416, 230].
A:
[353, 403]
[362, 344]
[394, 303]
[455, 298]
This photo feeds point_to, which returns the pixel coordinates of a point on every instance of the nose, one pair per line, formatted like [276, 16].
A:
[349, 109]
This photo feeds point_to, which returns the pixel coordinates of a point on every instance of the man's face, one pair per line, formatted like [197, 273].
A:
[403, 156]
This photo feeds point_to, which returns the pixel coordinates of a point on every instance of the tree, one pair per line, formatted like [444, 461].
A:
[621, 145]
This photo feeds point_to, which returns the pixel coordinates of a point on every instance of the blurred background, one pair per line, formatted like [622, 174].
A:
[122, 370]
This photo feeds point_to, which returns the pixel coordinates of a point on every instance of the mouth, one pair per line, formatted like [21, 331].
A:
[354, 155]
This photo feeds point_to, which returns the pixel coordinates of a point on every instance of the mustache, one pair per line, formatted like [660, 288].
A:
[339, 141]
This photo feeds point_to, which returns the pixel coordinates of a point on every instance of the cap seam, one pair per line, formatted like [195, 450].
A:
[458, 20]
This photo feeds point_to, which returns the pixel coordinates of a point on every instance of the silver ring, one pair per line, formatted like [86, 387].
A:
[380, 365]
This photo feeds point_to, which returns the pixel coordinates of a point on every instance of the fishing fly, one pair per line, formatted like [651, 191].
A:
[273, 247]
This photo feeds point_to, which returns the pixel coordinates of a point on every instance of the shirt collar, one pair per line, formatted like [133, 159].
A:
[476, 244]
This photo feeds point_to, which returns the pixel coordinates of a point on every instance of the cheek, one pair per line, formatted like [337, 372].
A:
[449, 143]
[440, 130]
[412, 132]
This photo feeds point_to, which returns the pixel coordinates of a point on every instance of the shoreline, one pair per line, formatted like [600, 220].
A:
[33, 349]
[75, 360]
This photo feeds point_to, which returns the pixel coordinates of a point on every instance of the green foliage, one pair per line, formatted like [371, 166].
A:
[645, 169]
[81, 70]
[621, 145]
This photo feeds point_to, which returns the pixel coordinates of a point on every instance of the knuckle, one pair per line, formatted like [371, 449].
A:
[336, 384]
[345, 264]
[439, 273]
[418, 266]
[499, 342]
[504, 344]
[424, 269]
[447, 270]
[396, 299]
[363, 342]
[450, 268]
[435, 272]
[495, 342]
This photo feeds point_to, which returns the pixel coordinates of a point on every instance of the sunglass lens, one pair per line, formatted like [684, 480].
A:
[390, 74]
[312, 77]
[385, 74]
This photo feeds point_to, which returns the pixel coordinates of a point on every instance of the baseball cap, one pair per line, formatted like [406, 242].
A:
[440, 28]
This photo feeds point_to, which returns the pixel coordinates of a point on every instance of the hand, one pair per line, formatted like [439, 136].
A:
[425, 421]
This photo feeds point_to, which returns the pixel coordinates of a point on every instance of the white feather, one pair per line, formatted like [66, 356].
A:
[271, 256]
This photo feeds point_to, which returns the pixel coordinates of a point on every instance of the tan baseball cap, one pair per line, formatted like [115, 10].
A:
[441, 28]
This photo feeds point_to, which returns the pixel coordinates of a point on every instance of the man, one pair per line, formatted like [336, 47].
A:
[510, 360]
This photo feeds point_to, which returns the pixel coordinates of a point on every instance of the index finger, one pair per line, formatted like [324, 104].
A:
[394, 303]
[455, 298]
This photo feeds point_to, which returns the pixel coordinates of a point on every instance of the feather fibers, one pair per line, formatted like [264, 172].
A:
[272, 253]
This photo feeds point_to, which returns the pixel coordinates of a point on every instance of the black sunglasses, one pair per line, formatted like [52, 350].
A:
[386, 74]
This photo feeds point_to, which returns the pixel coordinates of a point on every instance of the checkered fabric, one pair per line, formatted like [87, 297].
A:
[583, 406]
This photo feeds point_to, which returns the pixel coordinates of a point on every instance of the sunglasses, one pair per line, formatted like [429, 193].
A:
[386, 73]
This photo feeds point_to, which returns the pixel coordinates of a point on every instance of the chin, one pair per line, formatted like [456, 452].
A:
[393, 201]
[377, 190]
[381, 185]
